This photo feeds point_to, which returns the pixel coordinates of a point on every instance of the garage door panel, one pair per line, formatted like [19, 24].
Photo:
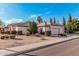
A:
[55, 31]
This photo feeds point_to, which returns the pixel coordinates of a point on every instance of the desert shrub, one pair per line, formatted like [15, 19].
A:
[6, 37]
[42, 33]
[2, 37]
[47, 33]
[19, 33]
[2, 32]
[37, 35]
[13, 32]
[28, 33]
[12, 37]
[7, 32]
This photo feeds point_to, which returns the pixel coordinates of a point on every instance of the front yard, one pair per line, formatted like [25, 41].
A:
[25, 40]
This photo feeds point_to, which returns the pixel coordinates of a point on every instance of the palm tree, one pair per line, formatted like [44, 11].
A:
[39, 19]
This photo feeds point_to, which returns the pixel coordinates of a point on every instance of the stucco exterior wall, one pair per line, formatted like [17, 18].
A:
[23, 29]
[16, 28]
[43, 29]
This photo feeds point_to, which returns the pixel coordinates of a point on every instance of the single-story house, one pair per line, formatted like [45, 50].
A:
[54, 29]
[22, 27]
[1, 28]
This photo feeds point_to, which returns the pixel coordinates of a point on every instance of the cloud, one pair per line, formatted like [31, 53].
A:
[48, 12]
[33, 16]
[14, 20]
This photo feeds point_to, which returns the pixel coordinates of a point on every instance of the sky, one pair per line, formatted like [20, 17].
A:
[20, 12]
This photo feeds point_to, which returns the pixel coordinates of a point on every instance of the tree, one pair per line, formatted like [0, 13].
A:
[32, 27]
[51, 21]
[39, 19]
[1, 22]
[70, 18]
[77, 24]
[69, 25]
[54, 20]
[64, 23]
[72, 24]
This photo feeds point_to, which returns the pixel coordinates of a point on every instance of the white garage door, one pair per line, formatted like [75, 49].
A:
[55, 31]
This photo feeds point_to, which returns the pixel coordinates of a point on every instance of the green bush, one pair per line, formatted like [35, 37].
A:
[2, 37]
[28, 33]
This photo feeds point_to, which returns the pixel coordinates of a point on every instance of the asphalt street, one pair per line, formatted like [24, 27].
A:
[69, 48]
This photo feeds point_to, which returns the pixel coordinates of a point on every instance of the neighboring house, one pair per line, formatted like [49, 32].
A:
[22, 27]
[42, 27]
[1, 28]
[55, 29]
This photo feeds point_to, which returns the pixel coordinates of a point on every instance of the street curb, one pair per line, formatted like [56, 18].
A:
[40, 47]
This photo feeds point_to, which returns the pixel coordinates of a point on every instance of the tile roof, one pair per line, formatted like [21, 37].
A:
[48, 24]
[19, 24]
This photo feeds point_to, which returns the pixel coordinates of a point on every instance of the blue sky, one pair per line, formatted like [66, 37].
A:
[27, 11]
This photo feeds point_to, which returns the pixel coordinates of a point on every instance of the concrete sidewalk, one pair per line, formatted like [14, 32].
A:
[27, 48]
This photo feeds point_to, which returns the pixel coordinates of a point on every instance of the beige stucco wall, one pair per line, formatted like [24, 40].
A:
[43, 29]
[16, 28]
[23, 29]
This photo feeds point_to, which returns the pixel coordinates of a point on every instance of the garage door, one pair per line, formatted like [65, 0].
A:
[55, 31]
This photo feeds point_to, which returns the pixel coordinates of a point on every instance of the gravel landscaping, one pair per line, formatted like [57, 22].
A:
[20, 40]
[24, 40]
